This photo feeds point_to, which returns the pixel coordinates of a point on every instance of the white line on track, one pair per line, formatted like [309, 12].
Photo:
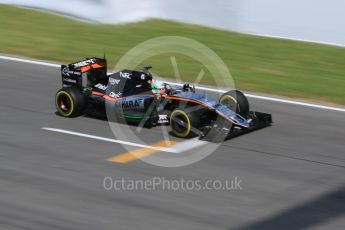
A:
[310, 105]
[187, 145]
[30, 61]
[108, 139]
[178, 148]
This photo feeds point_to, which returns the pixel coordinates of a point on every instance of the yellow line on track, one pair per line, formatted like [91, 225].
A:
[141, 152]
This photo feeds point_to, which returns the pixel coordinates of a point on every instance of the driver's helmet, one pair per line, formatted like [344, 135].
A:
[158, 87]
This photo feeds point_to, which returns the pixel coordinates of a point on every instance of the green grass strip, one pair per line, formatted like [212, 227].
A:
[275, 66]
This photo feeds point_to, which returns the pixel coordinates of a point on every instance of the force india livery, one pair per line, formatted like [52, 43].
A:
[135, 97]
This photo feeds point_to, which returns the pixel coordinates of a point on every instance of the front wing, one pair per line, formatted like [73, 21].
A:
[220, 132]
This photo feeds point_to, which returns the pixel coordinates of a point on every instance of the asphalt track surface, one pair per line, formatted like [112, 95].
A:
[292, 173]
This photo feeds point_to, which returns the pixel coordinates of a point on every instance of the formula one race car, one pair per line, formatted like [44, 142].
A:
[134, 97]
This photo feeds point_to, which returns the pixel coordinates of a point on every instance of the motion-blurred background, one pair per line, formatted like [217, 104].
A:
[279, 62]
[314, 20]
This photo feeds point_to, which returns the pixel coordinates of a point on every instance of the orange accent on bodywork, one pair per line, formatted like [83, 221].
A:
[185, 99]
[111, 98]
[89, 67]
[97, 93]
[105, 96]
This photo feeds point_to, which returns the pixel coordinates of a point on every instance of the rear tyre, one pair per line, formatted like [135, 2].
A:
[236, 101]
[184, 124]
[70, 102]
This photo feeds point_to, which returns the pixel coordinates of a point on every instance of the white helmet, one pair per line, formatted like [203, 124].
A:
[158, 87]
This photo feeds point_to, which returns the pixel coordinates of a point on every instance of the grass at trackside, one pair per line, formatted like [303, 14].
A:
[267, 65]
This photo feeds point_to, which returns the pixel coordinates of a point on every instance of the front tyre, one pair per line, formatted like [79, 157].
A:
[184, 124]
[70, 102]
[236, 101]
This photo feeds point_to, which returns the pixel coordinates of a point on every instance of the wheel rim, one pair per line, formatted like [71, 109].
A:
[180, 124]
[230, 102]
[64, 103]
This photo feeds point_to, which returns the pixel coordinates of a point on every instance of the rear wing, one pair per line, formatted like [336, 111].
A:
[83, 73]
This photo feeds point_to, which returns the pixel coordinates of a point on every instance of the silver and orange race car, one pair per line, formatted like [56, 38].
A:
[135, 97]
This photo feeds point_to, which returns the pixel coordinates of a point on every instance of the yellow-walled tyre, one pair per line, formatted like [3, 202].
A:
[184, 124]
[70, 102]
[236, 101]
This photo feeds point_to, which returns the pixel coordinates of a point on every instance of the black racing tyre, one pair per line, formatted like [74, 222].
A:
[183, 123]
[70, 102]
[236, 101]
